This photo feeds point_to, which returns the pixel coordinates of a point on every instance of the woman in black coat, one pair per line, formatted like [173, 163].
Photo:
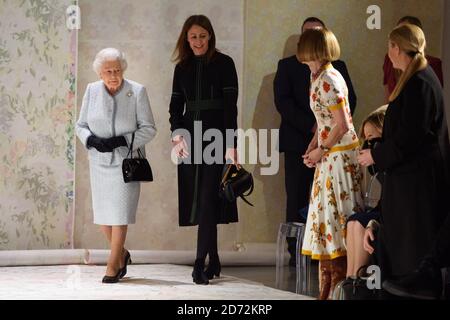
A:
[413, 158]
[204, 96]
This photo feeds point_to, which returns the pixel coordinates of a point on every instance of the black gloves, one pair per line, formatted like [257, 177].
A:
[98, 143]
[115, 142]
[105, 145]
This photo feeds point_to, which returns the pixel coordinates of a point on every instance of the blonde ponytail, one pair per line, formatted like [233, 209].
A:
[410, 39]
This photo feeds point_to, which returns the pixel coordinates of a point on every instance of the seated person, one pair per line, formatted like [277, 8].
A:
[357, 257]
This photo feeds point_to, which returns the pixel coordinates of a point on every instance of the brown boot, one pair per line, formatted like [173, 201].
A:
[324, 278]
[338, 272]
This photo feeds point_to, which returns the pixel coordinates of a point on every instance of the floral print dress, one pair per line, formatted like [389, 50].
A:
[336, 191]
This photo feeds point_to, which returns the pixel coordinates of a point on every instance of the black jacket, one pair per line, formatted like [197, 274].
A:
[414, 160]
[199, 80]
[291, 91]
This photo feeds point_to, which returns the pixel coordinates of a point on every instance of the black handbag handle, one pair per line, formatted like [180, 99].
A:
[246, 201]
[130, 151]
[361, 271]
[248, 193]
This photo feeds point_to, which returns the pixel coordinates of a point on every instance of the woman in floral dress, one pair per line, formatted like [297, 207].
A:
[336, 192]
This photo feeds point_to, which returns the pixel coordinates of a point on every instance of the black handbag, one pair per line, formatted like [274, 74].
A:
[355, 288]
[136, 169]
[236, 182]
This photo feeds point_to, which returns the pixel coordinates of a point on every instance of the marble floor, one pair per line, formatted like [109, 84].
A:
[151, 281]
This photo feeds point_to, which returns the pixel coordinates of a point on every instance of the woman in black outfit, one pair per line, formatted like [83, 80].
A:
[413, 158]
[205, 91]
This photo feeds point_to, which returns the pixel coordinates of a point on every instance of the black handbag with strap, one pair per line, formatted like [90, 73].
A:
[355, 288]
[236, 182]
[136, 169]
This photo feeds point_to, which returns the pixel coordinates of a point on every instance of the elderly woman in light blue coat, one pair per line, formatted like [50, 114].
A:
[113, 109]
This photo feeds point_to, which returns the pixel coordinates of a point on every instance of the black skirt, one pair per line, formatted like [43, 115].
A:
[364, 217]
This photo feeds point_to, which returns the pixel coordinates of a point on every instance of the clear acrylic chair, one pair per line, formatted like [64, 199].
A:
[303, 263]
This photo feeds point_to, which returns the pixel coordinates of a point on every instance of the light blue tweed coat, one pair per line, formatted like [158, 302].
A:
[120, 115]
[114, 202]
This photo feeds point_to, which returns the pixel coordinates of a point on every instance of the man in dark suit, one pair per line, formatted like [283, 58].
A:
[298, 124]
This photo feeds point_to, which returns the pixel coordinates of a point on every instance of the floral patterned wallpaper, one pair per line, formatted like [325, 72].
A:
[37, 110]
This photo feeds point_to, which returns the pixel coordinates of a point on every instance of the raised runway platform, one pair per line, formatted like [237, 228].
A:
[143, 282]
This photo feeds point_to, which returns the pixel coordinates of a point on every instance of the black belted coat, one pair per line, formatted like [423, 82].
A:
[204, 91]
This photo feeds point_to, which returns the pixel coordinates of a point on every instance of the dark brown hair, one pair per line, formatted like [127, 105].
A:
[183, 51]
[412, 20]
[313, 19]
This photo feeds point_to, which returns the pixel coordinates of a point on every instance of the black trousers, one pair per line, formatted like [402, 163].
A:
[209, 204]
[298, 181]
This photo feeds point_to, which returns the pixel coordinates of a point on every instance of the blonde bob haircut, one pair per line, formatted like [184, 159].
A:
[318, 44]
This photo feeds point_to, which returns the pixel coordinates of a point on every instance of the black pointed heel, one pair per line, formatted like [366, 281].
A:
[198, 274]
[127, 261]
[113, 279]
[214, 267]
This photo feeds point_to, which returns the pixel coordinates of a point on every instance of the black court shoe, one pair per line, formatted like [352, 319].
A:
[198, 274]
[214, 267]
[127, 261]
[113, 279]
